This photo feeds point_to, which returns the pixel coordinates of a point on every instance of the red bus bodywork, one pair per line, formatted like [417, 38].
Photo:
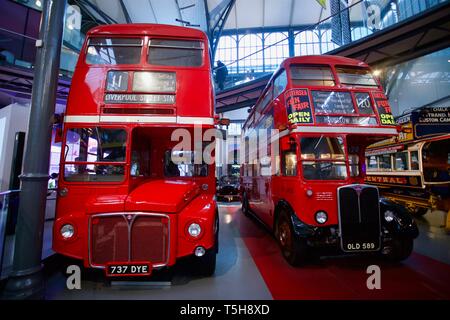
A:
[128, 209]
[307, 102]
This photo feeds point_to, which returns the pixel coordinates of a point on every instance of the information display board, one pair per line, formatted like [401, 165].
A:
[431, 121]
[333, 102]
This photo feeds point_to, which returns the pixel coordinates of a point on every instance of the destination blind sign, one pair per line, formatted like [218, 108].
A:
[383, 108]
[433, 115]
[139, 98]
[431, 121]
[333, 102]
[298, 107]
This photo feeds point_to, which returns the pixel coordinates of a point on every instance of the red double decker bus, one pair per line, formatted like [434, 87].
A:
[304, 161]
[129, 202]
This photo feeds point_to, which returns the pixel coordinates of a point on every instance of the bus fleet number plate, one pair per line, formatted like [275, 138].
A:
[124, 269]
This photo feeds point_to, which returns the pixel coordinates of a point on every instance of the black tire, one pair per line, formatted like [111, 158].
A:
[245, 205]
[294, 250]
[419, 211]
[401, 249]
[206, 265]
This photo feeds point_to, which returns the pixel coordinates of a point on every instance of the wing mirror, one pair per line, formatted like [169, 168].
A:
[222, 121]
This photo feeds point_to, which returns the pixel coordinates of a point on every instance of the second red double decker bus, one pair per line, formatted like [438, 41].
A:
[129, 202]
[304, 175]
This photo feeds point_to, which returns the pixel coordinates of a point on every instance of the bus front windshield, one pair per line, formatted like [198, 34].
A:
[323, 158]
[95, 154]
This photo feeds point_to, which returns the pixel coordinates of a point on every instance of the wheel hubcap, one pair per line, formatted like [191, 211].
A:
[284, 234]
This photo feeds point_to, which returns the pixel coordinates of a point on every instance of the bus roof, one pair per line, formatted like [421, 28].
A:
[309, 59]
[144, 29]
[323, 59]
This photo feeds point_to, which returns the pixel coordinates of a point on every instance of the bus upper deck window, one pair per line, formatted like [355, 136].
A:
[279, 84]
[311, 75]
[364, 103]
[360, 77]
[114, 51]
[175, 53]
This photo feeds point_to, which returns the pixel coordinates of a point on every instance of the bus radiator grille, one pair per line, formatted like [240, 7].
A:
[359, 217]
[129, 238]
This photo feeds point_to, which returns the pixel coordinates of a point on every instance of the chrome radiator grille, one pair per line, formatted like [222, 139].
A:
[129, 237]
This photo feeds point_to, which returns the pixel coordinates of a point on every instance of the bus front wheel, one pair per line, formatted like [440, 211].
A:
[206, 265]
[295, 251]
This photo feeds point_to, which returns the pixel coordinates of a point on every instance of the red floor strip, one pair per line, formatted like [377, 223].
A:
[419, 277]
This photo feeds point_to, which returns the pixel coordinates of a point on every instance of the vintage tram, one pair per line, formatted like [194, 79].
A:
[413, 168]
[128, 203]
[303, 164]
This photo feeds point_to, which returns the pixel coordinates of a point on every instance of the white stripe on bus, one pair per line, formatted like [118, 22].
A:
[366, 130]
[139, 119]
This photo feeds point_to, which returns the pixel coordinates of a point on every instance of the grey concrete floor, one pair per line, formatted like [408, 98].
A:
[433, 240]
[236, 277]
[9, 249]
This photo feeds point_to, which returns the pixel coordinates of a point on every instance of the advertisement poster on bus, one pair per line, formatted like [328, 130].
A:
[299, 107]
[383, 108]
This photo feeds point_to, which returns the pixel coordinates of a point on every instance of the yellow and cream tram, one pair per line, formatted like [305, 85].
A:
[413, 168]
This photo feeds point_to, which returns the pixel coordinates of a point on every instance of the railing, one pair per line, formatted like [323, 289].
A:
[9, 206]
[353, 23]
[9, 209]
[20, 50]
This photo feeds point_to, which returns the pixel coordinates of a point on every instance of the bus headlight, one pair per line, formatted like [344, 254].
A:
[194, 230]
[321, 217]
[388, 216]
[67, 231]
[199, 251]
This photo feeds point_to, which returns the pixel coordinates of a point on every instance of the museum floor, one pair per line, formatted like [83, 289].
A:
[250, 266]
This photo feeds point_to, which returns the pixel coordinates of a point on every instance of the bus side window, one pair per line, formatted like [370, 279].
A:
[401, 161]
[277, 168]
[414, 159]
[372, 163]
[265, 102]
[289, 159]
[384, 162]
[279, 84]
[255, 168]
[140, 160]
[354, 164]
